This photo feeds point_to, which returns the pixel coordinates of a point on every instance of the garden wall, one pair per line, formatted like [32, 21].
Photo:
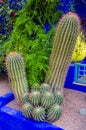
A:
[69, 82]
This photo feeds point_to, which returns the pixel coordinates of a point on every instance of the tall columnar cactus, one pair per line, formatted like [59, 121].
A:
[16, 72]
[63, 46]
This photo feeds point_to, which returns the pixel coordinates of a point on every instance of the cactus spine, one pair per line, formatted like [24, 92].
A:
[44, 87]
[63, 46]
[47, 100]
[34, 98]
[27, 109]
[16, 72]
[54, 113]
[38, 113]
[58, 98]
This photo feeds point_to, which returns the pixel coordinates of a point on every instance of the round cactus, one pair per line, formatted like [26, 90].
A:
[35, 86]
[44, 87]
[54, 113]
[58, 97]
[27, 109]
[25, 97]
[47, 100]
[34, 98]
[38, 113]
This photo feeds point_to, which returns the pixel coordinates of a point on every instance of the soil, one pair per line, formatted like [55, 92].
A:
[71, 118]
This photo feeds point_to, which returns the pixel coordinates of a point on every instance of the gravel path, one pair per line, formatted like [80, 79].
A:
[73, 102]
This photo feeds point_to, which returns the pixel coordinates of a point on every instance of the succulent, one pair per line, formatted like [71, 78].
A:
[16, 71]
[27, 109]
[47, 100]
[63, 46]
[25, 97]
[58, 97]
[38, 113]
[34, 98]
[35, 86]
[54, 113]
[44, 87]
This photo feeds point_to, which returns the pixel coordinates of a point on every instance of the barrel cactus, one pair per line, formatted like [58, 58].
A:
[25, 97]
[44, 87]
[35, 86]
[16, 72]
[34, 98]
[54, 113]
[38, 113]
[47, 100]
[63, 46]
[58, 98]
[27, 109]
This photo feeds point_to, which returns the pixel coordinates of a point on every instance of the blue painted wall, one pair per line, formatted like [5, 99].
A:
[80, 8]
[69, 82]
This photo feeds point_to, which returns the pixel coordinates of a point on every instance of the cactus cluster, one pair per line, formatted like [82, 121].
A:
[40, 105]
[43, 102]
[63, 46]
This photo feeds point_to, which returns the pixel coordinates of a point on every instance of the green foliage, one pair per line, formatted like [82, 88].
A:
[30, 39]
[16, 72]
[63, 46]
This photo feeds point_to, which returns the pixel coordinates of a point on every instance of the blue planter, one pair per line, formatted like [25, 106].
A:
[11, 119]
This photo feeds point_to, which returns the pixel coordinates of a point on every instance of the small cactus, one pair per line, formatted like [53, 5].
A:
[38, 113]
[58, 97]
[34, 98]
[16, 71]
[25, 97]
[35, 86]
[44, 87]
[47, 100]
[54, 113]
[27, 109]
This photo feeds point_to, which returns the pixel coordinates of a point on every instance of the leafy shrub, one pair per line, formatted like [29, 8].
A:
[31, 39]
[8, 14]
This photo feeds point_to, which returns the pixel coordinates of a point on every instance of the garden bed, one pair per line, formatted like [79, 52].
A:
[73, 102]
